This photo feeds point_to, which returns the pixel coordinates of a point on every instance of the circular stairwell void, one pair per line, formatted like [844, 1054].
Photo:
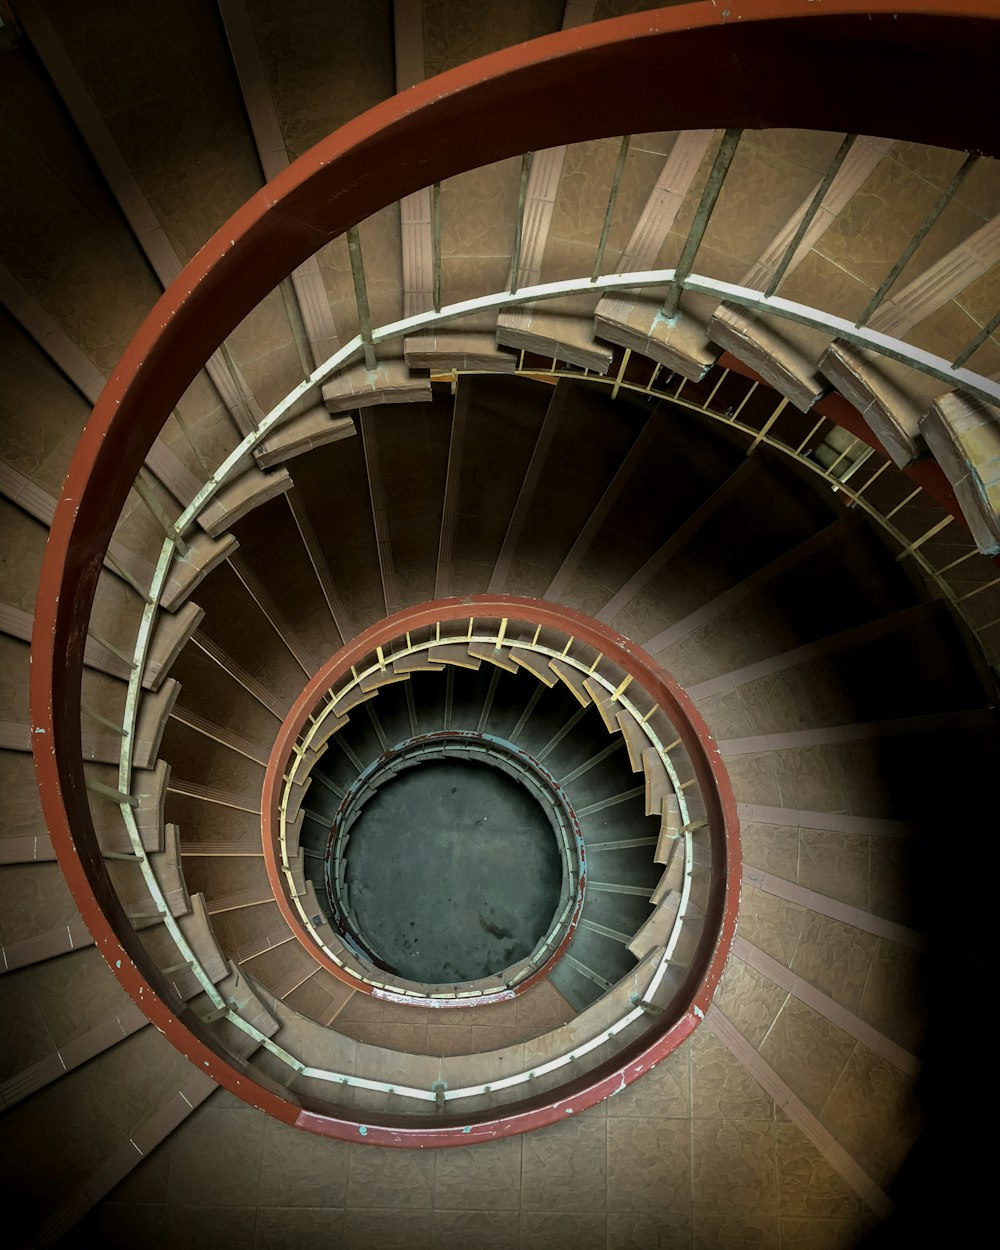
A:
[449, 860]
[645, 719]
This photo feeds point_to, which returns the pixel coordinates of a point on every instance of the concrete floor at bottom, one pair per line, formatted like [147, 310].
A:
[484, 887]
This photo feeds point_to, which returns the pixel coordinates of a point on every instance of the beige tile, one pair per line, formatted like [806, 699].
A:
[662, 1091]
[894, 999]
[289, 1228]
[721, 1088]
[486, 1230]
[449, 1039]
[754, 781]
[389, 1230]
[874, 788]
[149, 1181]
[302, 1169]
[835, 958]
[807, 1185]
[209, 1227]
[732, 1166]
[380, 1177]
[542, 1007]
[771, 923]
[664, 1231]
[775, 848]
[727, 716]
[411, 1038]
[765, 189]
[31, 1152]
[837, 292]
[835, 864]
[476, 210]
[819, 1234]
[368, 1031]
[812, 778]
[493, 1037]
[877, 222]
[732, 1232]
[217, 1153]
[136, 1077]
[456, 30]
[481, 1178]
[565, 1166]
[807, 1052]
[734, 639]
[774, 704]
[687, 660]
[872, 1114]
[749, 999]
[649, 1168]
[558, 1230]
[577, 217]
[21, 808]
[34, 898]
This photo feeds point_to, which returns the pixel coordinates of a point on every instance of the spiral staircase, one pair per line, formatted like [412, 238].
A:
[651, 473]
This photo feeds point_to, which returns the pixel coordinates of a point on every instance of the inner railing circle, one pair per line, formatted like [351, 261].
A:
[417, 889]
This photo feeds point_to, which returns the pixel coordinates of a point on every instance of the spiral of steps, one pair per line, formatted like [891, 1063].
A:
[785, 528]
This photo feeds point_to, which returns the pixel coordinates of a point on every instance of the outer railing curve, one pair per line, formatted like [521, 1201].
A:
[433, 131]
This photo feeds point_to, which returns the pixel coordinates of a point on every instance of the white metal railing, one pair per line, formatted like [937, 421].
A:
[405, 646]
[962, 379]
[172, 546]
[224, 1010]
[895, 349]
[909, 549]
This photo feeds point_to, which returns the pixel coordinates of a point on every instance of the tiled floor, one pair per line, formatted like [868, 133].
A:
[684, 1158]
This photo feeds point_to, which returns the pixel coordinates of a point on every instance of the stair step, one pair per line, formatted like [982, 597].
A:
[574, 679]
[635, 739]
[188, 571]
[458, 653]
[198, 931]
[657, 929]
[377, 681]
[418, 662]
[604, 703]
[670, 828]
[246, 492]
[658, 785]
[171, 633]
[500, 656]
[536, 664]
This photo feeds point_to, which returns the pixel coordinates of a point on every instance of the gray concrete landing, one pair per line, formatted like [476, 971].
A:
[454, 872]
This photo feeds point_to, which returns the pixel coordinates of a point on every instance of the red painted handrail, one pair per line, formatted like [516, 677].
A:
[618, 650]
[754, 63]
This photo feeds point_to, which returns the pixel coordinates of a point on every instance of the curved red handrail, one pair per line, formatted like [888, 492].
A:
[754, 63]
[618, 650]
